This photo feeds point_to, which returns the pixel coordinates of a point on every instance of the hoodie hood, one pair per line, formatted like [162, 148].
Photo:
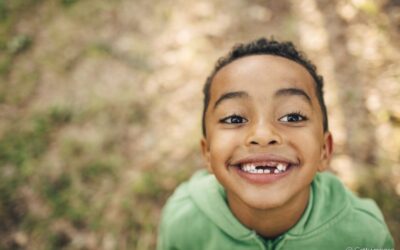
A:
[325, 206]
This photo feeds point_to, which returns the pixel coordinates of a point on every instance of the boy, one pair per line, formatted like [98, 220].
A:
[265, 138]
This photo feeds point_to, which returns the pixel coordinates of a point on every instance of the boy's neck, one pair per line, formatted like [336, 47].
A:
[271, 223]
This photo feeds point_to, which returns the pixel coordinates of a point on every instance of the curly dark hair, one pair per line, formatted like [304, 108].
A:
[263, 46]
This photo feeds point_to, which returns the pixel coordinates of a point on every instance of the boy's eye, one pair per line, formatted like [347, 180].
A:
[293, 117]
[233, 119]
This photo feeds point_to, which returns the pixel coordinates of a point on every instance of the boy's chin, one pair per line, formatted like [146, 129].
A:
[263, 201]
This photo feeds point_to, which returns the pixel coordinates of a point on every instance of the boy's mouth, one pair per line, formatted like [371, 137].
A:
[268, 167]
[265, 164]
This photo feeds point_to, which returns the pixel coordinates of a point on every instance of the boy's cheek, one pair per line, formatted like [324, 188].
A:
[224, 142]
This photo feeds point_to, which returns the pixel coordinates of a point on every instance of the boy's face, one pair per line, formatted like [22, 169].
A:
[264, 117]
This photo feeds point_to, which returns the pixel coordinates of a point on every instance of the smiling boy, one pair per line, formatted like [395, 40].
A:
[266, 140]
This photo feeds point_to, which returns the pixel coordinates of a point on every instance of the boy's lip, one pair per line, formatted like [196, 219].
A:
[266, 157]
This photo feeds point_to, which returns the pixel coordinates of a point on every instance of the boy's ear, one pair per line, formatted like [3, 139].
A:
[205, 149]
[326, 152]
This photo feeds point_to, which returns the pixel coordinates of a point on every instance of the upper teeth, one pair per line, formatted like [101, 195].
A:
[281, 167]
[251, 168]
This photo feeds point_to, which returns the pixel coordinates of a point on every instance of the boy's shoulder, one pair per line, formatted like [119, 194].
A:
[180, 205]
[337, 211]
[332, 195]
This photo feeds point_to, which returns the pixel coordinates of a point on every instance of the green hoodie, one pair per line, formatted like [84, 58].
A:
[197, 216]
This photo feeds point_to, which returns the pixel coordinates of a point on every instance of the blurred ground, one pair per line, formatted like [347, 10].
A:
[100, 105]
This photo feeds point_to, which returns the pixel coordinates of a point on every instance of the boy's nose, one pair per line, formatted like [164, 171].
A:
[262, 134]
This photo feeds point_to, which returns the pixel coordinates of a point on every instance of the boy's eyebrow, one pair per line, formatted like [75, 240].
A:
[230, 95]
[280, 92]
[293, 91]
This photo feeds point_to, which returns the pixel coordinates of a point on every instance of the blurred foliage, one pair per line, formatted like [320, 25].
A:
[68, 2]
[100, 105]
[12, 44]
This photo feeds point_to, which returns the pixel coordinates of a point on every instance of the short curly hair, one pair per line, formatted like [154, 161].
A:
[263, 46]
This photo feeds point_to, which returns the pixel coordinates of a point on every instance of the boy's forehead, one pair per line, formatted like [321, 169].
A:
[274, 71]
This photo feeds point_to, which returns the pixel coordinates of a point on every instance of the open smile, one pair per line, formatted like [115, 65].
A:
[264, 168]
[270, 167]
